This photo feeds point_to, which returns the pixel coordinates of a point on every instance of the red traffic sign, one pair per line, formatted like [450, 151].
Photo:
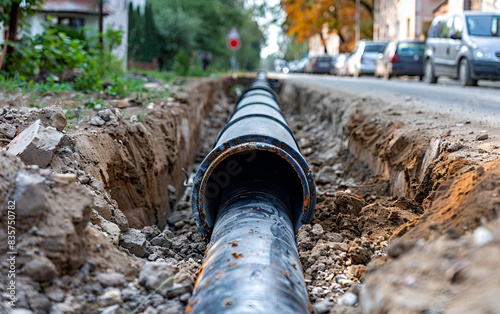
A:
[233, 39]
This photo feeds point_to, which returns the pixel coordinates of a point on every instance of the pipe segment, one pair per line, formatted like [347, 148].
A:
[250, 196]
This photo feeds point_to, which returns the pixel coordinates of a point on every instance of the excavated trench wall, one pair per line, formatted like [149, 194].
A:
[453, 189]
[140, 164]
[377, 148]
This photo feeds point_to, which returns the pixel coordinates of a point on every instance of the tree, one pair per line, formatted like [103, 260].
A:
[201, 26]
[306, 18]
[10, 13]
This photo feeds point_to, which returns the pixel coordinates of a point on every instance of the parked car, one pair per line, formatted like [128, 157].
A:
[464, 46]
[281, 66]
[339, 65]
[363, 59]
[320, 64]
[302, 64]
[401, 57]
[292, 65]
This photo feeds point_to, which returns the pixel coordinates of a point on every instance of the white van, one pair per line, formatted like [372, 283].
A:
[464, 46]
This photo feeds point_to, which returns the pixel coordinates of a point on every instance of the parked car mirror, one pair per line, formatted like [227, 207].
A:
[456, 36]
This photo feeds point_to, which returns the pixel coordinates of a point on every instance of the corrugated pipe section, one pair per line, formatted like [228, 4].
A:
[250, 196]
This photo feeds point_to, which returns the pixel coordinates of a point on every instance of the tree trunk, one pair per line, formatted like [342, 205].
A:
[13, 23]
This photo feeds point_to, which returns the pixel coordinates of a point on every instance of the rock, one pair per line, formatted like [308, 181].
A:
[130, 294]
[323, 307]
[106, 115]
[153, 274]
[162, 241]
[482, 137]
[54, 116]
[120, 103]
[21, 311]
[171, 307]
[482, 236]
[111, 279]
[134, 241]
[326, 175]
[111, 296]
[334, 237]
[97, 121]
[398, 247]
[36, 144]
[349, 299]
[153, 86]
[8, 130]
[113, 309]
[95, 288]
[39, 303]
[29, 195]
[455, 147]
[348, 204]
[360, 254]
[40, 269]
[179, 224]
[63, 308]
[64, 178]
[54, 293]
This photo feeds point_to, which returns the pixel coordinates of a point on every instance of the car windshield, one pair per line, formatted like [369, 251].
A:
[324, 59]
[483, 25]
[374, 48]
[411, 49]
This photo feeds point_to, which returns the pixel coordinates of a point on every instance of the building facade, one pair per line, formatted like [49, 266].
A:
[402, 19]
[410, 19]
[83, 13]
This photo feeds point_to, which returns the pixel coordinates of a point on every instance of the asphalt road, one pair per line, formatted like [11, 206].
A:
[477, 103]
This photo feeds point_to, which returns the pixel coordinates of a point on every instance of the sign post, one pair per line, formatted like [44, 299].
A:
[233, 43]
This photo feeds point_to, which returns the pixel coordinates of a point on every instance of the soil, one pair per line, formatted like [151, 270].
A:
[406, 219]
[410, 193]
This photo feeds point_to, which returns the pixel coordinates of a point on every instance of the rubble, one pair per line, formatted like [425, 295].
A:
[36, 144]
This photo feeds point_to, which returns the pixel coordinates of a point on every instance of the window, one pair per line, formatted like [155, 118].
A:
[483, 25]
[74, 22]
[458, 26]
[445, 29]
[435, 30]
[411, 49]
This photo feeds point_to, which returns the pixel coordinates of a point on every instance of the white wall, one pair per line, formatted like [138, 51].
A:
[2, 39]
[118, 19]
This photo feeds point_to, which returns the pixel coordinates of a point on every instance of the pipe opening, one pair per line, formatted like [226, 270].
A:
[254, 171]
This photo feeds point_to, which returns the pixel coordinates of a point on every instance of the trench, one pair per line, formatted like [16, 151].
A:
[375, 178]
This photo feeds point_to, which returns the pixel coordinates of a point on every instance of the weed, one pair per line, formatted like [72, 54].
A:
[142, 115]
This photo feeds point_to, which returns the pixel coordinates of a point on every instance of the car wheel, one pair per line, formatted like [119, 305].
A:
[429, 76]
[464, 74]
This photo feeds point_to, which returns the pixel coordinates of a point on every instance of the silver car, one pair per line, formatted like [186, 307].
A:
[364, 58]
[464, 46]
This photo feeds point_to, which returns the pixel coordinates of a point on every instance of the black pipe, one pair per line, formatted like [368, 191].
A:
[250, 196]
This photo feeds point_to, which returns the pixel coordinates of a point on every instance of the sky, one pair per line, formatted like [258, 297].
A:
[272, 32]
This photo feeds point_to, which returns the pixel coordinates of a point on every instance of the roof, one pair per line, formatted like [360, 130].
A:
[73, 6]
[439, 6]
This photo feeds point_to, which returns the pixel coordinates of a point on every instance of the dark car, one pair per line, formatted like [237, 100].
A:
[320, 64]
[465, 46]
[403, 57]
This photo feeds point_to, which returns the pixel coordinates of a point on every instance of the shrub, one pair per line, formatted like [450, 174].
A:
[181, 62]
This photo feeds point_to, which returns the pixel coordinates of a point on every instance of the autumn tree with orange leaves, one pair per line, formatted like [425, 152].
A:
[306, 18]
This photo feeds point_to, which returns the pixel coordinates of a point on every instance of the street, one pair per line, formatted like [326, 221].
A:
[481, 103]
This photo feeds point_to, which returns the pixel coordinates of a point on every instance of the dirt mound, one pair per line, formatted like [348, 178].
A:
[110, 202]
[400, 176]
